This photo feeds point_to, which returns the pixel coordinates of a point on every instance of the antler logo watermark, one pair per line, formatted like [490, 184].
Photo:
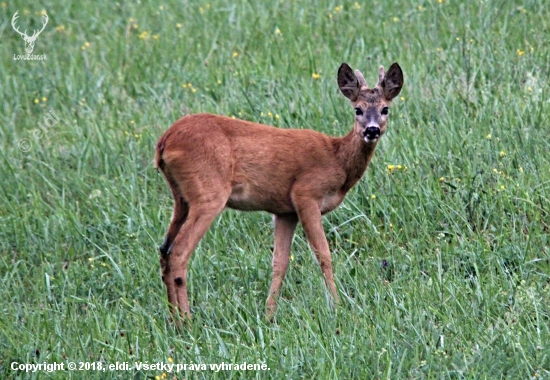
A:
[29, 40]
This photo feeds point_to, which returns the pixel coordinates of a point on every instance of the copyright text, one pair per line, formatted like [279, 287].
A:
[137, 366]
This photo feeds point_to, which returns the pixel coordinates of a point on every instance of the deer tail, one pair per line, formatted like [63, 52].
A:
[159, 162]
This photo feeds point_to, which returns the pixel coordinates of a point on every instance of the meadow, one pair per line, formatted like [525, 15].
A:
[440, 253]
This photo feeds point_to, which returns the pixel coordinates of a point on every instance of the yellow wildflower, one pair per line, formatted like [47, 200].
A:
[315, 76]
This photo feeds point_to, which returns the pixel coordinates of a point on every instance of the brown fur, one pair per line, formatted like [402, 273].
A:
[211, 162]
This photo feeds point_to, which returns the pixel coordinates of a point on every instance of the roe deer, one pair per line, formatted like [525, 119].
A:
[211, 162]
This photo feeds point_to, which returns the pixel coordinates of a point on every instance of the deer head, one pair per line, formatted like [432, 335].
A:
[29, 40]
[371, 104]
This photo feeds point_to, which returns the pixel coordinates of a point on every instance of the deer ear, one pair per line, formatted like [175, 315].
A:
[348, 82]
[393, 81]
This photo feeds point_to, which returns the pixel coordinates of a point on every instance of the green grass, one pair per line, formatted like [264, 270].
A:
[462, 224]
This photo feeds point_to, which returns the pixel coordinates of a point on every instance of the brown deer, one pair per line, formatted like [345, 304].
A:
[211, 162]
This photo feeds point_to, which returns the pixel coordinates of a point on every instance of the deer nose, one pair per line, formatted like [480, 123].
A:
[372, 132]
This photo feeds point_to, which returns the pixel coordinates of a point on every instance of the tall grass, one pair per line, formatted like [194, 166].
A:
[441, 252]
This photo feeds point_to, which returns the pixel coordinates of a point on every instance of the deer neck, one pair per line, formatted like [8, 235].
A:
[353, 155]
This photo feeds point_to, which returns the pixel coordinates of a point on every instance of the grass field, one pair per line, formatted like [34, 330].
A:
[441, 252]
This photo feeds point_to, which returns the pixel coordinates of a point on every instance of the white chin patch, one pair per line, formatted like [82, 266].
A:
[370, 141]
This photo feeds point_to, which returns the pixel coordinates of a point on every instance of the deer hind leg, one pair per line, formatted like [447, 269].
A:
[310, 216]
[284, 231]
[202, 213]
[181, 210]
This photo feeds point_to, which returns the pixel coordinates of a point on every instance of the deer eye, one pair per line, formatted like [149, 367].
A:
[358, 111]
[385, 110]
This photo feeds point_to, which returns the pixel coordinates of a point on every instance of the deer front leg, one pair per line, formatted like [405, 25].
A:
[310, 216]
[284, 231]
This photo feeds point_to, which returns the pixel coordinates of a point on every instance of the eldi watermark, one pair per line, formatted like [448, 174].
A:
[50, 119]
